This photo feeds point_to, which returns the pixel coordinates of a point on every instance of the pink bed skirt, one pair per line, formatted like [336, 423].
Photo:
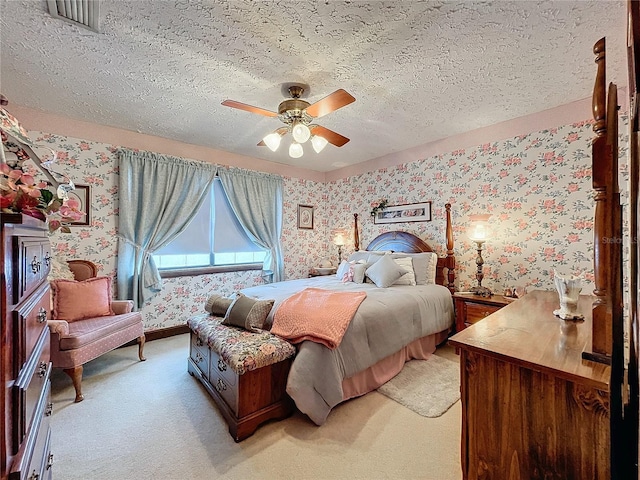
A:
[387, 368]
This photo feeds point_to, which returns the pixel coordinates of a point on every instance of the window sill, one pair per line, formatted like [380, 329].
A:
[191, 272]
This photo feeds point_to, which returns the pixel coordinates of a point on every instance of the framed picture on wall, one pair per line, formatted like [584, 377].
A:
[82, 194]
[414, 212]
[305, 217]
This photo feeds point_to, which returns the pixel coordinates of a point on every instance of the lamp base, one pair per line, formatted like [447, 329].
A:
[482, 291]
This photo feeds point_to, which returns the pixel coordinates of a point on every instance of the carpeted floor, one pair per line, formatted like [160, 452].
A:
[152, 420]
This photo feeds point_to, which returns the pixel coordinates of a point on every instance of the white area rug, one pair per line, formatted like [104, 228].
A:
[428, 387]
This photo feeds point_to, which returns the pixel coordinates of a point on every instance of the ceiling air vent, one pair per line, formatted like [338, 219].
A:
[84, 13]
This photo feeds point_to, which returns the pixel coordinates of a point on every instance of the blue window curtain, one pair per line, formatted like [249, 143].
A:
[158, 196]
[256, 199]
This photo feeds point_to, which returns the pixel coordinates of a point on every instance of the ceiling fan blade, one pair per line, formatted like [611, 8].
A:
[280, 131]
[338, 99]
[331, 136]
[249, 108]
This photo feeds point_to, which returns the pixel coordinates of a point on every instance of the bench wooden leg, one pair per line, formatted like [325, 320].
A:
[141, 339]
[76, 377]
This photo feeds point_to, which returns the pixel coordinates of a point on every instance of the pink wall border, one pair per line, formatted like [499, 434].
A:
[562, 115]
[51, 123]
[577, 111]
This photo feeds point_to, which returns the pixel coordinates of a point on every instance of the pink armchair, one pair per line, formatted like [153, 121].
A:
[76, 342]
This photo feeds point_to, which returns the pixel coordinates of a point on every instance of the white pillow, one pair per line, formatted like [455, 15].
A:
[431, 270]
[374, 257]
[342, 269]
[385, 271]
[359, 255]
[424, 266]
[358, 272]
[408, 278]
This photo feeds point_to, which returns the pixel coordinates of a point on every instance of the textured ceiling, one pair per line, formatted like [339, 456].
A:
[420, 71]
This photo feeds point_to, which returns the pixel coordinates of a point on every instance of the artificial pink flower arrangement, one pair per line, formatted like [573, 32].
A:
[20, 193]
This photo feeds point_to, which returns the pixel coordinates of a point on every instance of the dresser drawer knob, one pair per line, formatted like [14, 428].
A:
[221, 365]
[199, 342]
[220, 385]
[47, 259]
[42, 369]
[42, 315]
[35, 265]
[50, 461]
[199, 357]
[34, 476]
[49, 410]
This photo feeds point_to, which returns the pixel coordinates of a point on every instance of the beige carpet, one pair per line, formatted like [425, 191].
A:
[152, 420]
[428, 387]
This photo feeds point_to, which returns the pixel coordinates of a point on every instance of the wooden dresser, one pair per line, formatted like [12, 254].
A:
[531, 407]
[25, 366]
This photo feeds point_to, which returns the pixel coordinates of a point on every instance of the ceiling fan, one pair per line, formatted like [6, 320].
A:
[298, 114]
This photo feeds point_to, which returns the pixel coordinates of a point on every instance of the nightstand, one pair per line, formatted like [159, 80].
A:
[472, 308]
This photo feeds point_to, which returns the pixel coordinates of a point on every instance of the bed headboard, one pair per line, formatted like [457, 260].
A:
[406, 242]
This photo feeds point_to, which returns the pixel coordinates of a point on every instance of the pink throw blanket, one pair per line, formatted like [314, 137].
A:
[321, 316]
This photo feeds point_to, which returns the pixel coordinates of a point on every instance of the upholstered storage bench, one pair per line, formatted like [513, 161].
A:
[245, 373]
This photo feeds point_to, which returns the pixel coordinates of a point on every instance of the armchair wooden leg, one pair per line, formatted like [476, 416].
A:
[76, 376]
[141, 339]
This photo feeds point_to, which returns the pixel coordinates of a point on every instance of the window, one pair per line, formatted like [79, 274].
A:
[214, 237]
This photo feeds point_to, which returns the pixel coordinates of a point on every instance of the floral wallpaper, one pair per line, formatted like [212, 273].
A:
[536, 186]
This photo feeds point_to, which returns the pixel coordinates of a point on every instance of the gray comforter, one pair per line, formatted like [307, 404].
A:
[387, 320]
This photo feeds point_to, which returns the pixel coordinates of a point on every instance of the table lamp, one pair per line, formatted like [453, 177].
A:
[480, 232]
[339, 241]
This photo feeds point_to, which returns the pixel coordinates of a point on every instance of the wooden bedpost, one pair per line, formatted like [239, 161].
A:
[356, 235]
[607, 225]
[451, 259]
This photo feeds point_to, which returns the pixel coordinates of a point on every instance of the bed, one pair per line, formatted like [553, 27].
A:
[391, 325]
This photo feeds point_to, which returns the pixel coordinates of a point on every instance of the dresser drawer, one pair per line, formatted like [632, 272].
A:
[34, 458]
[30, 386]
[30, 321]
[199, 353]
[47, 460]
[223, 370]
[34, 262]
[476, 312]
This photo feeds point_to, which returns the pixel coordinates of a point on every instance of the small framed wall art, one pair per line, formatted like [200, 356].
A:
[305, 217]
[414, 212]
[82, 194]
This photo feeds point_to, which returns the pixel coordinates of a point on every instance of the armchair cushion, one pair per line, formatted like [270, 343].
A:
[90, 330]
[79, 300]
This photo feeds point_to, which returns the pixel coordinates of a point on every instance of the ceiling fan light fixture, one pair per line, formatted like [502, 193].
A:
[318, 143]
[300, 132]
[295, 150]
[272, 141]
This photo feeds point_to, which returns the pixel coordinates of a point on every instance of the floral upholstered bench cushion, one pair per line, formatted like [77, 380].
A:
[242, 350]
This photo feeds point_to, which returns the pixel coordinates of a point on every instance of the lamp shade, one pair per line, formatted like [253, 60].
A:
[300, 132]
[295, 150]
[272, 141]
[479, 229]
[318, 143]
[339, 239]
